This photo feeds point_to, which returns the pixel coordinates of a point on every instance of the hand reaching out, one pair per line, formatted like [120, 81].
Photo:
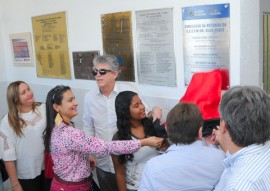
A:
[152, 141]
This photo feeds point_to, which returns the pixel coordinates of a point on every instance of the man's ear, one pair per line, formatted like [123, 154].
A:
[223, 127]
[200, 134]
[116, 73]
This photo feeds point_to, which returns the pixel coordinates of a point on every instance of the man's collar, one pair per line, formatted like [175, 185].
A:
[115, 89]
[254, 148]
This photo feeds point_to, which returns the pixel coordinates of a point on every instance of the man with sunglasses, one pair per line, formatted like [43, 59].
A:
[99, 116]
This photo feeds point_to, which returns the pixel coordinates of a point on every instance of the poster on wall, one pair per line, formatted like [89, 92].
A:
[206, 31]
[117, 40]
[155, 47]
[21, 47]
[83, 64]
[51, 45]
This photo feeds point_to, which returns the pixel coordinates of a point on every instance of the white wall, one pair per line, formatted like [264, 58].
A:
[2, 53]
[251, 67]
[84, 30]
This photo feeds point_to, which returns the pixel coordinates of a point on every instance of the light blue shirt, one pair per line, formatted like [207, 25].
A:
[193, 167]
[247, 170]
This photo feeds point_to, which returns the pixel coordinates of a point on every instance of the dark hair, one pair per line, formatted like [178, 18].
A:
[183, 123]
[55, 95]
[209, 125]
[122, 104]
[246, 113]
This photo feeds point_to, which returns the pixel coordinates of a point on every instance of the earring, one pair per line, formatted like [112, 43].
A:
[58, 119]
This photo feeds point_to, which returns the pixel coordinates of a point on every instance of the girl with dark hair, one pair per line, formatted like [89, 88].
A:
[21, 131]
[132, 124]
[70, 147]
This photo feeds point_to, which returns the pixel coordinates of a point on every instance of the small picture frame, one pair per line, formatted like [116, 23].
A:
[21, 46]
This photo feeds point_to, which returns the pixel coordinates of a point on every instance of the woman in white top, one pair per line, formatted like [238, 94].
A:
[132, 124]
[21, 133]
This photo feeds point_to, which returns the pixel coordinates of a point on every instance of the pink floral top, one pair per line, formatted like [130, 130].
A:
[70, 148]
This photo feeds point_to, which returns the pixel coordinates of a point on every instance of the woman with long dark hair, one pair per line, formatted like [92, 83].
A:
[70, 147]
[132, 124]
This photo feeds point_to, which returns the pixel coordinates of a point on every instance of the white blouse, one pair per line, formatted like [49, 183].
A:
[26, 151]
[135, 167]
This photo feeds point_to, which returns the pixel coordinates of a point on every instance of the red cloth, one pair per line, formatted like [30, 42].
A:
[225, 79]
[48, 164]
[204, 90]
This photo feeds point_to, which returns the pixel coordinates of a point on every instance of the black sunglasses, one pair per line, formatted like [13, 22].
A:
[101, 71]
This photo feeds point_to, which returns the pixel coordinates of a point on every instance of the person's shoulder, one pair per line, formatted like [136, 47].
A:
[91, 94]
[4, 125]
[214, 149]
[40, 108]
[4, 119]
[5, 116]
[157, 160]
[156, 164]
[69, 130]
[41, 105]
[215, 152]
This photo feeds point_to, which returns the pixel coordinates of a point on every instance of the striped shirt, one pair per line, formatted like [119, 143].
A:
[247, 170]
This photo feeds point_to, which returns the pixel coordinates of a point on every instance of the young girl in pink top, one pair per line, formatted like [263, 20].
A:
[70, 147]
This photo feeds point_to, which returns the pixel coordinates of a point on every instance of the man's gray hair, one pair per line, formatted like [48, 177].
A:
[109, 59]
[246, 112]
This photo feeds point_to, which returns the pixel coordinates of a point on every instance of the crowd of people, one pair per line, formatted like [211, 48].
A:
[119, 141]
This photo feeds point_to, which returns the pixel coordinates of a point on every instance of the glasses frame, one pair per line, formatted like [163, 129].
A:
[101, 71]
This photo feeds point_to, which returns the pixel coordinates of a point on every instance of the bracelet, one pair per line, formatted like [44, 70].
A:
[16, 184]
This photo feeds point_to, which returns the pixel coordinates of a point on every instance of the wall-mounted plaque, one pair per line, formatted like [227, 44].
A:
[51, 45]
[206, 32]
[155, 47]
[83, 64]
[117, 40]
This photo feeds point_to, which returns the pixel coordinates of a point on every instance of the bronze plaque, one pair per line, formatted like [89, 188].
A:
[83, 64]
[117, 40]
[51, 45]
